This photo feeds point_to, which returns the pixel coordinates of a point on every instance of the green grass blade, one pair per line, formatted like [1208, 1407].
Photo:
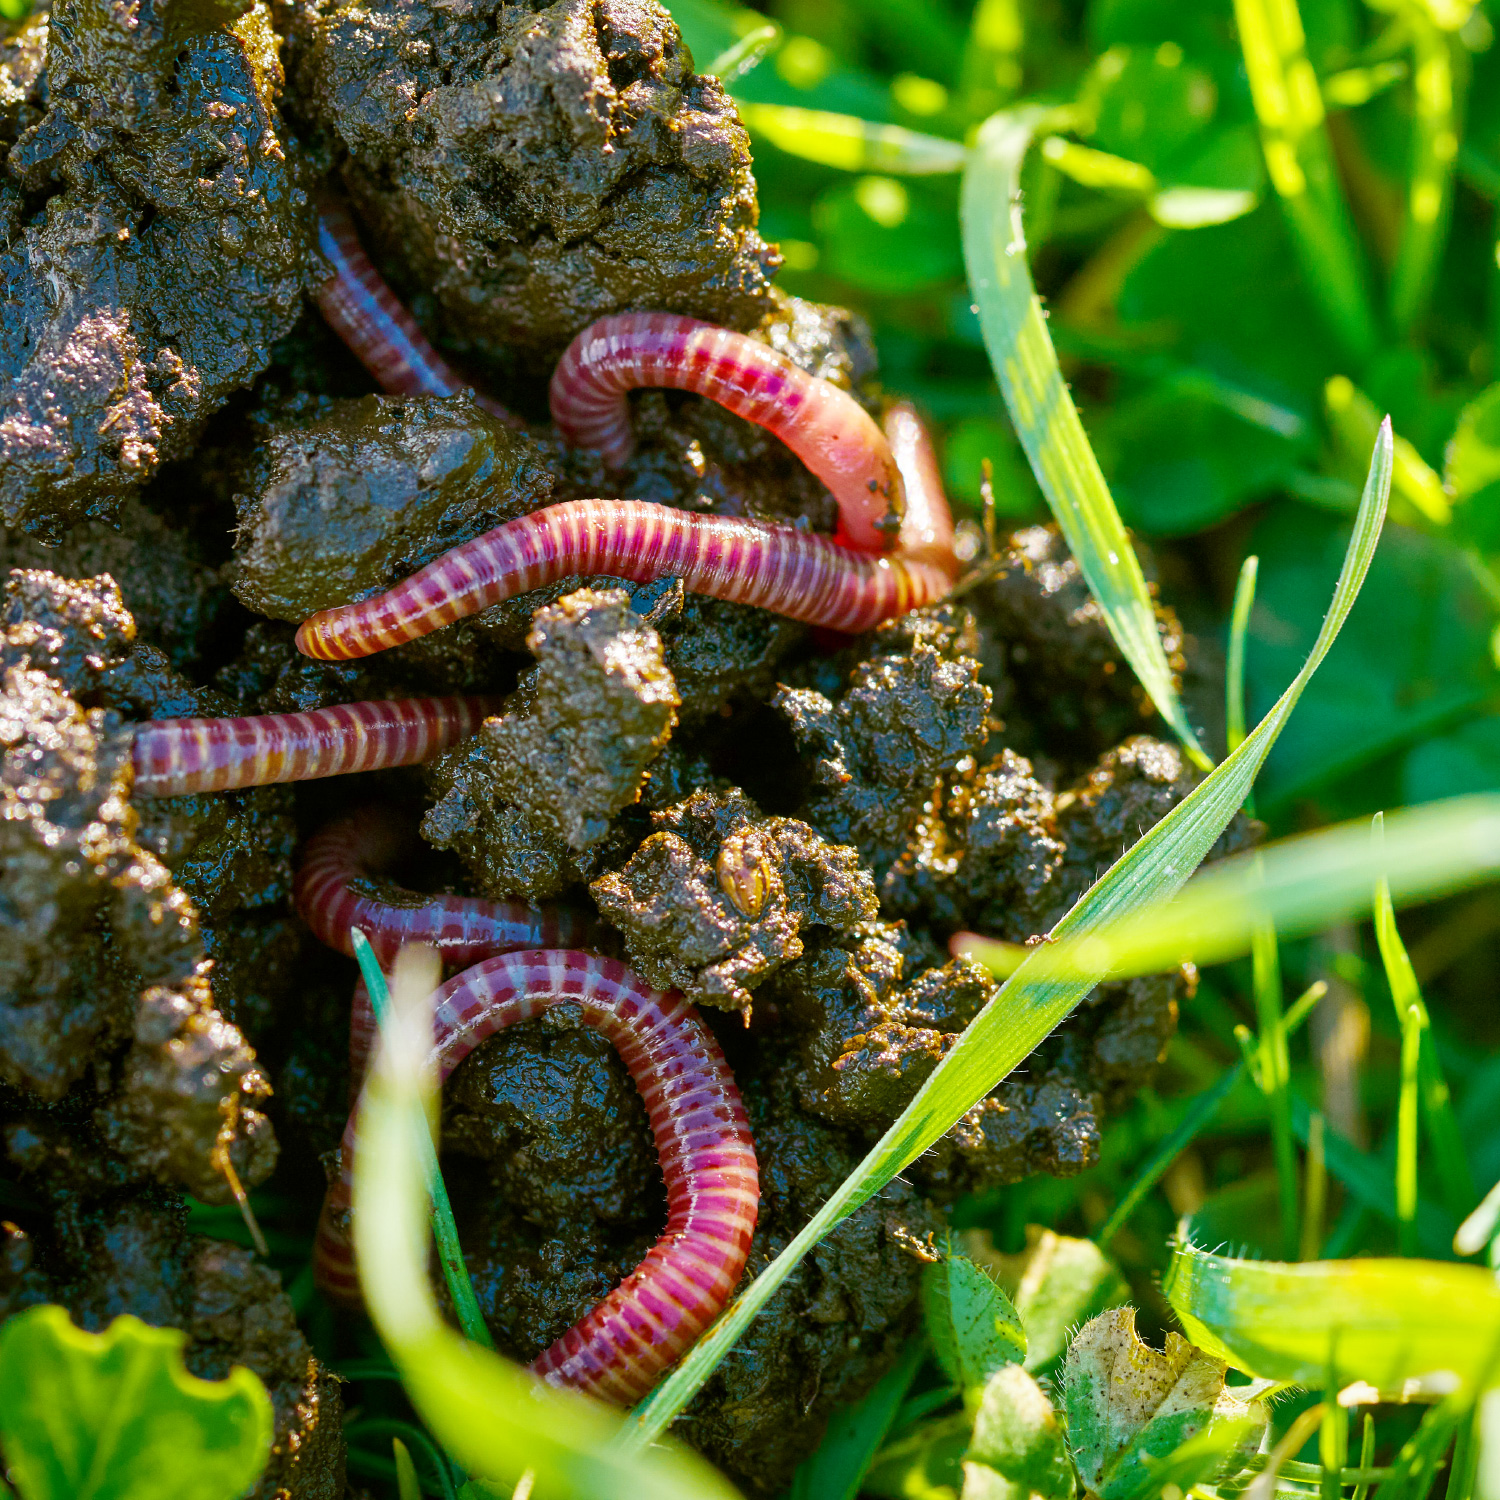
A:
[1406, 1133]
[1450, 1159]
[1366, 1456]
[1234, 670]
[1276, 1075]
[1299, 162]
[1434, 146]
[1029, 1006]
[851, 144]
[1304, 885]
[1200, 1111]
[495, 1418]
[1315, 1189]
[1025, 363]
[444, 1229]
[1384, 1322]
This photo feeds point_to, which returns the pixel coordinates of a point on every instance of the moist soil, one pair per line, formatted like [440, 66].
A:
[783, 825]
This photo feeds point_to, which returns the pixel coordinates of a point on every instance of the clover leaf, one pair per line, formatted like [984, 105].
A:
[115, 1416]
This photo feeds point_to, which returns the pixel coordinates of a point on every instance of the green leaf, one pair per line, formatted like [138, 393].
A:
[835, 1469]
[1025, 363]
[1414, 659]
[115, 1416]
[1016, 1435]
[849, 143]
[1472, 460]
[1029, 1006]
[1396, 1325]
[926, 1464]
[1130, 1407]
[495, 1418]
[1066, 1282]
[972, 1325]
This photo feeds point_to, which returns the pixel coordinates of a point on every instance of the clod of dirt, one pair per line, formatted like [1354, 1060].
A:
[153, 243]
[1073, 689]
[539, 783]
[912, 709]
[717, 898]
[365, 491]
[536, 166]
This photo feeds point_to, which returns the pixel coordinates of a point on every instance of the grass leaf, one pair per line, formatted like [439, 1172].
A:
[1389, 1323]
[1020, 349]
[1030, 1005]
[839, 1464]
[849, 143]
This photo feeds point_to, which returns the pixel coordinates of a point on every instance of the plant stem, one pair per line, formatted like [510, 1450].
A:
[444, 1230]
[1315, 1191]
[1234, 675]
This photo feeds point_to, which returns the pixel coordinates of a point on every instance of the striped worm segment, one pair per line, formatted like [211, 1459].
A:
[176, 756]
[370, 319]
[335, 893]
[824, 426]
[620, 1349]
[795, 573]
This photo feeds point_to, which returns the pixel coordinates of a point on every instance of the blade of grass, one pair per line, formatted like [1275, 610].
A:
[1025, 363]
[1303, 885]
[849, 143]
[1479, 1228]
[1299, 162]
[747, 53]
[1314, 1190]
[444, 1229]
[1434, 146]
[1029, 1006]
[1366, 1456]
[496, 1419]
[1199, 1113]
[1234, 670]
[1276, 1075]
[1406, 1133]
[1383, 1322]
[1450, 1159]
[1333, 1446]
[407, 1485]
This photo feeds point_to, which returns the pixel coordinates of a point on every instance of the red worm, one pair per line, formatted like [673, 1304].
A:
[795, 573]
[175, 756]
[335, 893]
[367, 315]
[824, 426]
[620, 1349]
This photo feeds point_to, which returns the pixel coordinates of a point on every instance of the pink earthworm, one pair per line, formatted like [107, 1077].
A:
[620, 1349]
[334, 892]
[795, 573]
[824, 426]
[176, 756]
[370, 319]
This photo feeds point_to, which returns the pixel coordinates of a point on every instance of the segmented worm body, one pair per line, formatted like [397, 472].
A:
[176, 756]
[795, 573]
[618, 1350]
[370, 319]
[823, 425]
[334, 892]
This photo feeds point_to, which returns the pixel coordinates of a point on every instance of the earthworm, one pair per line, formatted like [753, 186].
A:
[370, 319]
[334, 893]
[175, 756]
[795, 573]
[824, 426]
[702, 1135]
